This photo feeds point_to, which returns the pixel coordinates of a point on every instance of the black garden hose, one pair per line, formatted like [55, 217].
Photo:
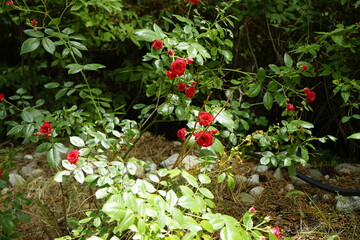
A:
[341, 191]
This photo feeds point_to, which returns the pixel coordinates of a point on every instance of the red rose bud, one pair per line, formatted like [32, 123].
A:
[9, 3]
[34, 22]
[178, 67]
[2, 97]
[304, 67]
[190, 91]
[205, 119]
[157, 44]
[170, 74]
[1, 173]
[181, 134]
[195, 2]
[48, 135]
[189, 60]
[73, 156]
[214, 131]
[310, 97]
[290, 107]
[46, 128]
[306, 90]
[204, 139]
[181, 87]
[37, 134]
[171, 52]
[193, 83]
[276, 232]
[252, 210]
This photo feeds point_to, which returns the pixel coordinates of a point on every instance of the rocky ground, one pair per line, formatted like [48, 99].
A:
[299, 209]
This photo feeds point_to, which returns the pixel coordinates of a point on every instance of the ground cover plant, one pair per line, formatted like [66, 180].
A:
[179, 64]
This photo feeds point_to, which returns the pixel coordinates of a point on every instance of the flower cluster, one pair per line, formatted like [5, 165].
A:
[189, 91]
[45, 129]
[73, 156]
[310, 96]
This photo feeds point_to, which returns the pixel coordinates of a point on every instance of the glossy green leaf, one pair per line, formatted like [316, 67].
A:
[53, 157]
[354, 136]
[77, 141]
[48, 45]
[268, 100]
[287, 60]
[254, 90]
[146, 35]
[33, 33]
[261, 75]
[29, 45]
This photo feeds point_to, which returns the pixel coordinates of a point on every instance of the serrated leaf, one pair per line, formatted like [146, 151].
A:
[48, 45]
[190, 179]
[29, 45]
[77, 141]
[146, 35]
[53, 157]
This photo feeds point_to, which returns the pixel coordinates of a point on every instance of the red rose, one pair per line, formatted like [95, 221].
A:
[170, 74]
[306, 90]
[252, 210]
[1, 173]
[181, 87]
[310, 97]
[34, 22]
[205, 119]
[190, 91]
[204, 139]
[195, 2]
[181, 134]
[178, 67]
[157, 44]
[214, 131]
[193, 83]
[2, 97]
[290, 107]
[304, 67]
[46, 128]
[276, 232]
[73, 156]
[9, 3]
[171, 52]
[189, 60]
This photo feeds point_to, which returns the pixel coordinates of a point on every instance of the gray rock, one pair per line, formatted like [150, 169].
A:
[327, 177]
[333, 182]
[278, 174]
[326, 197]
[347, 168]
[16, 180]
[261, 168]
[348, 204]
[254, 179]
[26, 170]
[240, 180]
[187, 163]
[289, 187]
[28, 157]
[256, 191]
[297, 181]
[246, 198]
[315, 174]
[36, 172]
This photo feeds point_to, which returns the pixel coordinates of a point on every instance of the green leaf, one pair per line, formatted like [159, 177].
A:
[52, 85]
[225, 117]
[114, 208]
[207, 226]
[230, 233]
[53, 157]
[206, 192]
[60, 93]
[190, 179]
[77, 141]
[354, 136]
[171, 198]
[303, 124]
[78, 45]
[43, 147]
[126, 222]
[29, 130]
[287, 60]
[48, 45]
[146, 35]
[166, 109]
[74, 68]
[33, 33]
[261, 75]
[268, 100]
[254, 90]
[187, 202]
[160, 34]
[93, 66]
[6, 221]
[29, 45]
[15, 130]
[204, 179]
[61, 176]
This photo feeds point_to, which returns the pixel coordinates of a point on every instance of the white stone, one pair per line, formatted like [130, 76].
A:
[261, 168]
[16, 180]
[327, 177]
[348, 204]
[254, 179]
[187, 163]
[28, 157]
[4, 191]
[246, 198]
[240, 180]
[289, 187]
[36, 172]
[297, 181]
[326, 197]
[26, 170]
[347, 168]
[315, 174]
[278, 174]
[256, 191]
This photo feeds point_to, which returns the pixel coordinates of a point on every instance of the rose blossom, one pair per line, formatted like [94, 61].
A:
[157, 44]
[304, 67]
[178, 67]
[170, 74]
[171, 52]
[252, 210]
[46, 128]
[310, 97]
[181, 133]
[290, 107]
[1, 173]
[306, 90]
[204, 139]
[276, 232]
[181, 86]
[189, 60]
[214, 131]
[73, 156]
[34, 22]
[190, 91]
[9, 3]
[193, 83]
[205, 119]
[2, 97]
[195, 2]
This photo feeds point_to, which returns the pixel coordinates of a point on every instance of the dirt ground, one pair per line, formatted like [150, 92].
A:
[302, 216]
